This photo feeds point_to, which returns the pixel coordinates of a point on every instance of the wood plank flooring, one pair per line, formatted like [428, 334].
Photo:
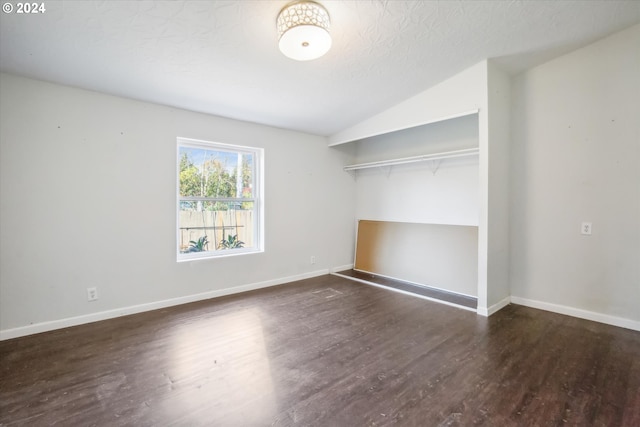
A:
[325, 351]
[422, 290]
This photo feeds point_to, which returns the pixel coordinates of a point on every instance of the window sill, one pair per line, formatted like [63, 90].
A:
[198, 256]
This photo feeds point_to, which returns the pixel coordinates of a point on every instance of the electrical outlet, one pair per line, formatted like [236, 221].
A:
[586, 228]
[313, 259]
[92, 294]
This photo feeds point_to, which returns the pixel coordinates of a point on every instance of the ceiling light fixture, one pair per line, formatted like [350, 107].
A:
[303, 29]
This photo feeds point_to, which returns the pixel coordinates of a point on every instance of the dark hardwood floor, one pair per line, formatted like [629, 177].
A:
[422, 290]
[326, 351]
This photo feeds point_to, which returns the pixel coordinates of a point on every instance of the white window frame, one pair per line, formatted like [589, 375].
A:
[257, 199]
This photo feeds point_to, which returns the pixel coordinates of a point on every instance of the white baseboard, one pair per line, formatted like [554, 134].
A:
[342, 268]
[577, 312]
[484, 311]
[110, 314]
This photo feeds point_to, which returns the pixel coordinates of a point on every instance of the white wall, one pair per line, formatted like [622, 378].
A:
[576, 157]
[88, 199]
[497, 186]
[412, 192]
[459, 94]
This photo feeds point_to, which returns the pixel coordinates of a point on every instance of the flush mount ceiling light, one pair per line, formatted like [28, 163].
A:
[303, 29]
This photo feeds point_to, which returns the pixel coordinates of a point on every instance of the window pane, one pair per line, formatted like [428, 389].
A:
[247, 167]
[215, 173]
[206, 226]
[218, 199]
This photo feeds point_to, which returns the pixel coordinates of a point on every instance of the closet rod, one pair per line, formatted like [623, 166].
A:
[414, 159]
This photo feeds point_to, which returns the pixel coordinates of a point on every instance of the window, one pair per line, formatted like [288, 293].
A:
[219, 204]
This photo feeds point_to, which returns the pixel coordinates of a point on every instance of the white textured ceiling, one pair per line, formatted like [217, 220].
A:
[221, 57]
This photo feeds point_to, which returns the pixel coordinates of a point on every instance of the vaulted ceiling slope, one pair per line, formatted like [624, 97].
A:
[221, 57]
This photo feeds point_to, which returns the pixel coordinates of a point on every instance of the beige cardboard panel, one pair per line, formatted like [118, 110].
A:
[442, 256]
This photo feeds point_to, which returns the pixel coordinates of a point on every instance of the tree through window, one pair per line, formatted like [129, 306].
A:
[219, 199]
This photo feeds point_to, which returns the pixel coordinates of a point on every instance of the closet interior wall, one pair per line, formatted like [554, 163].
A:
[429, 199]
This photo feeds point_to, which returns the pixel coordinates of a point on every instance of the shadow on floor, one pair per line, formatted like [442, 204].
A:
[426, 291]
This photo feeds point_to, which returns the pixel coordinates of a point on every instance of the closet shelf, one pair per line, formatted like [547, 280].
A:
[414, 159]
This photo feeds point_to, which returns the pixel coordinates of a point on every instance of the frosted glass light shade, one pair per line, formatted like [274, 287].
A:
[303, 28]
